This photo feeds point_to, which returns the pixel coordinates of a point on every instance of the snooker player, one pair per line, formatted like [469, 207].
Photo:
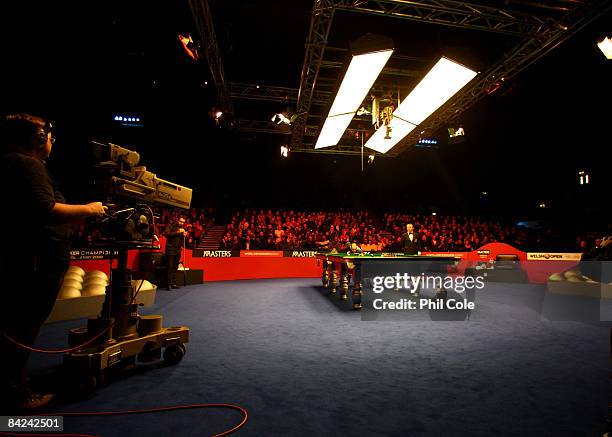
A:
[353, 248]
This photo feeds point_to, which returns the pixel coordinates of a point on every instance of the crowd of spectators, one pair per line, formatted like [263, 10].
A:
[454, 233]
[259, 229]
[281, 229]
[197, 220]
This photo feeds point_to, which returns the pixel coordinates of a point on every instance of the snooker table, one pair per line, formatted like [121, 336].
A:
[338, 269]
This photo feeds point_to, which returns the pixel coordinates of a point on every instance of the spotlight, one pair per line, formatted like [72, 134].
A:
[284, 151]
[452, 132]
[189, 46]
[281, 118]
[215, 113]
[456, 135]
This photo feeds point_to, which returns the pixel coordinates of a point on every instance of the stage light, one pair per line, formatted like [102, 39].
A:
[281, 118]
[584, 178]
[358, 80]
[218, 115]
[605, 45]
[452, 132]
[442, 82]
[434, 214]
[189, 46]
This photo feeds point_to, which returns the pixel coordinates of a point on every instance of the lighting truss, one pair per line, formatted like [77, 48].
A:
[538, 35]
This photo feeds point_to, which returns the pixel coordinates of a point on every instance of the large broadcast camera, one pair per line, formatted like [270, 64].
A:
[120, 337]
[131, 190]
[126, 179]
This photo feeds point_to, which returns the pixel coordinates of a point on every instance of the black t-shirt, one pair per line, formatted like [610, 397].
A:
[30, 194]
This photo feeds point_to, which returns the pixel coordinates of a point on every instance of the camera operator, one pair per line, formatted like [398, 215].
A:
[175, 237]
[37, 224]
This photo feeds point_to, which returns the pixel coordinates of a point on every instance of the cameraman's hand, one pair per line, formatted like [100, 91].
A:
[97, 209]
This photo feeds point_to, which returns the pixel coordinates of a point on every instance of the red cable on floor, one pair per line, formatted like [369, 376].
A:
[244, 413]
[52, 351]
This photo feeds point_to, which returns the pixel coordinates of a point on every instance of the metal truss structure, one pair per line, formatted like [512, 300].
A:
[450, 13]
[269, 93]
[208, 43]
[538, 35]
[268, 127]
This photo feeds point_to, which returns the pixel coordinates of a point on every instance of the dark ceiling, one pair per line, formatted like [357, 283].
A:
[82, 62]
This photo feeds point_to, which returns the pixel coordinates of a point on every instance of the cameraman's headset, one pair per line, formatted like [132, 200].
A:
[42, 134]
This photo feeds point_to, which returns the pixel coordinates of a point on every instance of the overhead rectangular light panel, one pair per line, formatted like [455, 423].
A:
[441, 83]
[605, 45]
[358, 80]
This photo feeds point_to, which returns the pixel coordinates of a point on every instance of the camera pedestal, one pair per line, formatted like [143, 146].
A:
[125, 337]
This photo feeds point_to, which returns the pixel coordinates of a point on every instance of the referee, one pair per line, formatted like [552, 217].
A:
[411, 241]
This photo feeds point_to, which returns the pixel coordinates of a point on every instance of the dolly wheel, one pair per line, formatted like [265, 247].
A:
[87, 384]
[174, 354]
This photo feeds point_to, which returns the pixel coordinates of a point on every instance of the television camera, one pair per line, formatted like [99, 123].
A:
[120, 337]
